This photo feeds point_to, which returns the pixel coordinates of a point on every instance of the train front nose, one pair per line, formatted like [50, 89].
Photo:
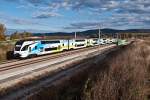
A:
[21, 54]
[16, 55]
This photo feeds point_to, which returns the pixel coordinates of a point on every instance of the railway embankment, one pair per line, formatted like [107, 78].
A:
[76, 85]
[122, 74]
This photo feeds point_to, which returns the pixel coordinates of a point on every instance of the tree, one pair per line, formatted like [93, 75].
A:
[2, 32]
[15, 35]
[26, 34]
[22, 35]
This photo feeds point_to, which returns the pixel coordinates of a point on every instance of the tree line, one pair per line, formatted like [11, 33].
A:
[23, 35]
[20, 35]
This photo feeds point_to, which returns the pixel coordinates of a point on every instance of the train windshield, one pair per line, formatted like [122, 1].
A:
[25, 48]
[18, 45]
[19, 42]
[17, 48]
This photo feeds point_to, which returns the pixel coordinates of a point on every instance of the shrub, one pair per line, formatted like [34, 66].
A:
[126, 76]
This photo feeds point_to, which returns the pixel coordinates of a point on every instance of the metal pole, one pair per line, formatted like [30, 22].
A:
[99, 33]
[75, 35]
[117, 38]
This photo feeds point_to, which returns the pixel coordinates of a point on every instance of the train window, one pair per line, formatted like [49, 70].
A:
[95, 43]
[29, 49]
[41, 49]
[50, 49]
[35, 47]
[59, 47]
[49, 42]
[25, 48]
[79, 45]
[17, 48]
[79, 40]
[19, 42]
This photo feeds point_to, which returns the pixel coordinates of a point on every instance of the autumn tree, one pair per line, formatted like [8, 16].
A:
[2, 32]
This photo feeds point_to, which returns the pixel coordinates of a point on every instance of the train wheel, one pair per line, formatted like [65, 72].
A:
[33, 56]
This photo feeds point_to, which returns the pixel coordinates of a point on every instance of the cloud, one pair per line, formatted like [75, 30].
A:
[135, 6]
[37, 2]
[14, 1]
[44, 15]
[33, 2]
[18, 21]
[122, 13]
[132, 6]
[84, 25]
[23, 21]
[115, 21]
[119, 6]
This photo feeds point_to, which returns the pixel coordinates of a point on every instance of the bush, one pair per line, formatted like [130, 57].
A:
[5, 51]
[125, 78]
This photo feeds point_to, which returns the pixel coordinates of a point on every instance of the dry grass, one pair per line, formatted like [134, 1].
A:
[125, 79]
[121, 76]
[4, 49]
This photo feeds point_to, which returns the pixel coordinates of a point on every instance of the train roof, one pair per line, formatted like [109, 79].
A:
[23, 40]
[46, 39]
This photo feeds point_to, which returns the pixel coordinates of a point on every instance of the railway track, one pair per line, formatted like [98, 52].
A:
[20, 63]
[61, 73]
[15, 60]
[8, 61]
[19, 70]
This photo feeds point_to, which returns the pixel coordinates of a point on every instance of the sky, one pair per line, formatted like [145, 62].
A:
[74, 15]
